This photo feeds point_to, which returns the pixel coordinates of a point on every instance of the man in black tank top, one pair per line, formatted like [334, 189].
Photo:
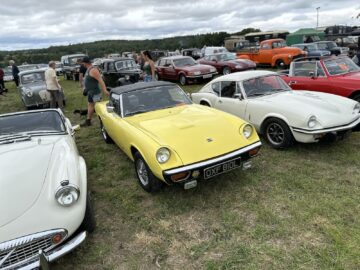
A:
[92, 82]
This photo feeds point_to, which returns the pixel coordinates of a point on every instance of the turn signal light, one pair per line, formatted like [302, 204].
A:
[179, 176]
[254, 152]
[57, 238]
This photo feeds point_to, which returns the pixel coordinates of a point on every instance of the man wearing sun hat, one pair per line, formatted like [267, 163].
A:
[93, 84]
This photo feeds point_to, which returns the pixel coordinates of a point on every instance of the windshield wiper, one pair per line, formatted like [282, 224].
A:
[15, 138]
[136, 112]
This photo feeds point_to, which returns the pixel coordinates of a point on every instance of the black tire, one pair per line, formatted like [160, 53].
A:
[204, 103]
[88, 224]
[356, 97]
[280, 63]
[182, 79]
[146, 178]
[104, 134]
[277, 133]
[226, 71]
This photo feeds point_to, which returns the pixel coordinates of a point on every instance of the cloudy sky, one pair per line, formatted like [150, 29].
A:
[42, 23]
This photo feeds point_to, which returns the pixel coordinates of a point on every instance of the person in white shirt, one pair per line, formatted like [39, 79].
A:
[53, 87]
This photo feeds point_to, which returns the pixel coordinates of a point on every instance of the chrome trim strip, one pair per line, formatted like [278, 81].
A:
[214, 160]
[59, 252]
[326, 130]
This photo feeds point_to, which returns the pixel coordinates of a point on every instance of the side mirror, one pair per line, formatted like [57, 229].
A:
[312, 74]
[75, 128]
[238, 96]
[109, 108]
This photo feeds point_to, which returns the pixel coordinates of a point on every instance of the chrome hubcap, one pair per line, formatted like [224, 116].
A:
[275, 133]
[103, 131]
[142, 172]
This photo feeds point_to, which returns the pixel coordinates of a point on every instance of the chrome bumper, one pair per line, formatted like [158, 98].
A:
[56, 253]
[327, 130]
[214, 160]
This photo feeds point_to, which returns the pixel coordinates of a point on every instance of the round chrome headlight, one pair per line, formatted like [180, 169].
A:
[247, 131]
[357, 108]
[212, 69]
[67, 195]
[29, 93]
[163, 155]
[197, 73]
[312, 122]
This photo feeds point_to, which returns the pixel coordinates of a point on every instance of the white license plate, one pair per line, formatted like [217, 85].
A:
[207, 76]
[222, 168]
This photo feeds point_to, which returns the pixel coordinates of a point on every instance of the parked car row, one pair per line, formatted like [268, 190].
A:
[172, 138]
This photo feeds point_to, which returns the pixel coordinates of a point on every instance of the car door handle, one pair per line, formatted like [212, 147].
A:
[292, 82]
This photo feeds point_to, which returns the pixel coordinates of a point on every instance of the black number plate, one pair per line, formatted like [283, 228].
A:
[221, 168]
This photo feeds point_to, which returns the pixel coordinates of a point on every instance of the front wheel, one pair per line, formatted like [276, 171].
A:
[104, 134]
[89, 222]
[277, 133]
[182, 80]
[146, 178]
[280, 64]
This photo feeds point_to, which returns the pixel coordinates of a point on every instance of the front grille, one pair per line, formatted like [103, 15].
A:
[25, 250]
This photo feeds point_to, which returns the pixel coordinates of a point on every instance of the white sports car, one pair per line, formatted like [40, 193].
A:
[277, 112]
[45, 210]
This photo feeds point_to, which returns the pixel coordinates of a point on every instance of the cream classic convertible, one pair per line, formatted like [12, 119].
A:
[45, 210]
[277, 112]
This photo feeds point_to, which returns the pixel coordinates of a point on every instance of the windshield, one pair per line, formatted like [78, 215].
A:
[264, 86]
[27, 67]
[186, 61]
[127, 64]
[340, 66]
[31, 123]
[74, 60]
[227, 56]
[32, 77]
[152, 99]
[309, 47]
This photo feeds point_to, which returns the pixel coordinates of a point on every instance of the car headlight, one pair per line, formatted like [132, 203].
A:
[289, 56]
[212, 69]
[127, 77]
[67, 195]
[357, 108]
[238, 66]
[29, 93]
[163, 155]
[312, 121]
[247, 131]
[197, 73]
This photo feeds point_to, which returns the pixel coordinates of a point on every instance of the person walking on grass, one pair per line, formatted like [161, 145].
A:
[53, 87]
[149, 67]
[15, 71]
[92, 83]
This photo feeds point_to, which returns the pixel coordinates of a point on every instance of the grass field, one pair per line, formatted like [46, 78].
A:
[295, 209]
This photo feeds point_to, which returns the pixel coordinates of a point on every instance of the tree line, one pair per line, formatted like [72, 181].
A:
[104, 47]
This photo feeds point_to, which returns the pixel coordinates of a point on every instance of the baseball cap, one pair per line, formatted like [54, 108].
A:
[85, 59]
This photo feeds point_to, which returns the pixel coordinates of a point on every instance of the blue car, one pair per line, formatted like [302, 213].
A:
[312, 49]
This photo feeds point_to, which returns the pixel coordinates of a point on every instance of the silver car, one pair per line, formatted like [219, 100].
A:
[32, 88]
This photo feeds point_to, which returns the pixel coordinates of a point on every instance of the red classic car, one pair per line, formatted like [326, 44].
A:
[183, 69]
[334, 75]
[226, 63]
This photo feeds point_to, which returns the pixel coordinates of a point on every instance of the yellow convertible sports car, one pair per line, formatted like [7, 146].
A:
[172, 140]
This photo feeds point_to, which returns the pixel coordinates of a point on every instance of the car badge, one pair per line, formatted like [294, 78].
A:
[209, 139]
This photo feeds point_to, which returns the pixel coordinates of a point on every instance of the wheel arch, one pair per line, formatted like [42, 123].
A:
[205, 102]
[355, 93]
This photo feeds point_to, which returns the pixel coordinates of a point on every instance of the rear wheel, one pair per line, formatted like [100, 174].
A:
[104, 134]
[356, 97]
[182, 79]
[277, 133]
[146, 178]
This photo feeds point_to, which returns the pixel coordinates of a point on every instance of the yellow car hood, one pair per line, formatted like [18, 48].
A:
[194, 132]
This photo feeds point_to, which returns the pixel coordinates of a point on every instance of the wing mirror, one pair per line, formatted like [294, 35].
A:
[238, 96]
[75, 128]
[312, 74]
[109, 108]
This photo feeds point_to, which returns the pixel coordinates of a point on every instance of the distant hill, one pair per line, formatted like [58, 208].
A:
[103, 47]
